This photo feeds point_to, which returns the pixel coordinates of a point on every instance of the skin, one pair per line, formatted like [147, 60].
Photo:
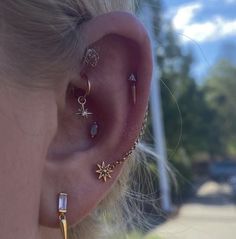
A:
[46, 149]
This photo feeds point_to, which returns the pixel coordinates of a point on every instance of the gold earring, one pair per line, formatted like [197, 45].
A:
[91, 57]
[62, 210]
[105, 171]
[82, 100]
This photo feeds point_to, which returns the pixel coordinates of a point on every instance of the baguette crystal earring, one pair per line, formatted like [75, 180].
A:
[82, 100]
[62, 210]
[105, 170]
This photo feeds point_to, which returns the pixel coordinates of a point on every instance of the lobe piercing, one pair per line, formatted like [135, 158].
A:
[133, 81]
[62, 210]
[91, 57]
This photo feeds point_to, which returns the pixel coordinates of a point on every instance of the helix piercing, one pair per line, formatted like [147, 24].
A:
[133, 81]
[62, 210]
[91, 57]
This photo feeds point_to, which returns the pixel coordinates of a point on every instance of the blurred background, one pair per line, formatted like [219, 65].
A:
[192, 123]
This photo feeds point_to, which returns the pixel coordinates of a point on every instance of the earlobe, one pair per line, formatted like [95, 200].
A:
[84, 159]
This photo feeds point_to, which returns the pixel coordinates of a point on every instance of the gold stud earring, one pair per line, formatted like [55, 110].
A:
[91, 57]
[82, 100]
[62, 210]
[105, 170]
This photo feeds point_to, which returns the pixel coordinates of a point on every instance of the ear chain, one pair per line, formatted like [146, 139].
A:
[105, 171]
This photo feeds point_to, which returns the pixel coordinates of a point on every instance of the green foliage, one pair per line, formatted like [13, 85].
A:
[186, 112]
[220, 88]
[192, 126]
[197, 119]
[182, 168]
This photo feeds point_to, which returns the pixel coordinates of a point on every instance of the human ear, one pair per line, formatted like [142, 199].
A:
[71, 164]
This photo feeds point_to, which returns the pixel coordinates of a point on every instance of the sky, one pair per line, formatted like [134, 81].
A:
[208, 27]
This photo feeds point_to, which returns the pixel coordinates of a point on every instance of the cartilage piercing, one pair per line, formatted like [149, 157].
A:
[94, 130]
[82, 100]
[133, 81]
[91, 57]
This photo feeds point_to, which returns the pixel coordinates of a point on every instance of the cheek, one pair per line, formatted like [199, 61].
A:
[26, 130]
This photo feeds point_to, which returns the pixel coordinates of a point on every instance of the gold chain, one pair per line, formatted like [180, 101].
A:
[126, 156]
[105, 170]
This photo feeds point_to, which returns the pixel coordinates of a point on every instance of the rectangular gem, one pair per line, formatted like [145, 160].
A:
[62, 202]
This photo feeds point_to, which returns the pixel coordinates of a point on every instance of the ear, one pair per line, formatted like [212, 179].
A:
[124, 49]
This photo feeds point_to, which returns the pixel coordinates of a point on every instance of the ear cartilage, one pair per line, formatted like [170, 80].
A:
[133, 81]
[105, 171]
[91, 57]
[62, 210]
[94, 130]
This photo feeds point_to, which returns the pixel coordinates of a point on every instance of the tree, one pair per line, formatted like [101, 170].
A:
[220, 88]
[184, 104]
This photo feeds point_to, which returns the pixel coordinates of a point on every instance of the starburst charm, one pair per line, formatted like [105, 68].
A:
[104, 171]
[84, 113]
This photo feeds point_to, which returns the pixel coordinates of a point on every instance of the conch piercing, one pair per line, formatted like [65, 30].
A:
[91, 57]
[133, 81]
[105, 171]
[94, 130]
[82, 111]
[62, 210]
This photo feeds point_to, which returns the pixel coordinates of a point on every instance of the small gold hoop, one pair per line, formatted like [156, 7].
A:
[88, 90]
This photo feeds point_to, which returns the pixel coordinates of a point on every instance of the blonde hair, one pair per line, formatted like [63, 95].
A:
[44, 35]
[41, 44]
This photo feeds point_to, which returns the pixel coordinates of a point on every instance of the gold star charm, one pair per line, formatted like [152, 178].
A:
[104, 171]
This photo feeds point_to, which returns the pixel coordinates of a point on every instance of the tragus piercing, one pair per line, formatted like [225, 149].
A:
[105, 170]
[133, 81]
[62, 210]
[82, 100]
[91, 57]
